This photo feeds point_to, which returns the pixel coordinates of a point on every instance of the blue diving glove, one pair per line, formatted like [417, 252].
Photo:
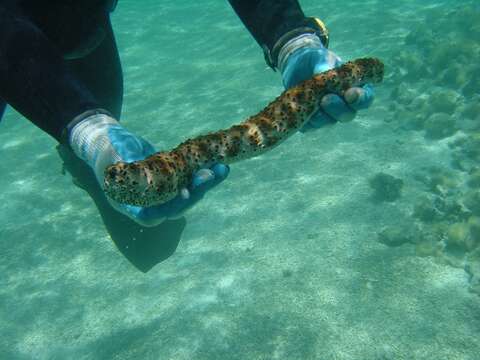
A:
[101, 141]
[301, 58]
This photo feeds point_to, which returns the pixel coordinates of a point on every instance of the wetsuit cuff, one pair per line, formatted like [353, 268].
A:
[302, 41]
[314, 27]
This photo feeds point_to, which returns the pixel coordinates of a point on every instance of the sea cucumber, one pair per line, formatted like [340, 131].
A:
[161, 176]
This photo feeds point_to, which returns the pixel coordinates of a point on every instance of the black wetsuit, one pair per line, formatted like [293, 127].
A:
[59, 59]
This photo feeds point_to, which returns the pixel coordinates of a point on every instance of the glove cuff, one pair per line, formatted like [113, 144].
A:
[302, 41]
[65, 136]
[312, 26]
[89, 138]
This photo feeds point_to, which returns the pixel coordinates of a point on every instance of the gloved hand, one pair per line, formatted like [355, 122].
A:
[101, 141]
[304, 56]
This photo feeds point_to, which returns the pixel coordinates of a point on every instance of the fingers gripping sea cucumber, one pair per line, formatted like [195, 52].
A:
[161, 176]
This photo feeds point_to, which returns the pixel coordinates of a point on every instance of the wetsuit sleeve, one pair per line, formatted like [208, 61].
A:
[3, 105]
[34, 78]
[268, 20]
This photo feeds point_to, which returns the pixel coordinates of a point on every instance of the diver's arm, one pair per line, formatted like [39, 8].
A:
[297, 46]
[2, 108]
[34, 78]
[274, 22]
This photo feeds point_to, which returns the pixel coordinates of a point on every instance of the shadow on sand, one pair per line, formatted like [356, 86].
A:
[144, 247]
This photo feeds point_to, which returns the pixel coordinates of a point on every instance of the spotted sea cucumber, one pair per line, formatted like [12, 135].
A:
[161, 176]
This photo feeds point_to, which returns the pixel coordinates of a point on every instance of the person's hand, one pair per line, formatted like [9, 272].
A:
[113, 143]
[133, 148]
[307, 57]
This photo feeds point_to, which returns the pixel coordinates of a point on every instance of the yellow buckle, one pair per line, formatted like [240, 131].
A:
[323, 31]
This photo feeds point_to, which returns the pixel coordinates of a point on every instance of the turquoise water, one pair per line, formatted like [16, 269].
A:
[287, 259]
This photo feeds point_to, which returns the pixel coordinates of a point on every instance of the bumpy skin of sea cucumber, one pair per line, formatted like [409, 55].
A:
[160, 177]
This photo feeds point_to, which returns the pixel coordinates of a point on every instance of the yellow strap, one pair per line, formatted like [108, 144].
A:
[323, 28]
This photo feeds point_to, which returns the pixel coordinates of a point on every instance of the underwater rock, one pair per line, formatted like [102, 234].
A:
[415, 69]
[447, 45]
[457, 52]
[458, 142]
[467, 20]
[474, 179]
[409, 65]
[433, 243]
[474, 228]
[471, 147]
[416, 122]
[395, 236]
[466, 154]
[437, 55]
[419, 104]
[443, 101]
[439, 126]
[451, 209]
[421, 37]
[425, 211]
[458, 235]
[428, 246]
[472, 110]
[403, 94]
[409, 120]
[472, 87]
[438, 179]
[455, 76]
[472, 201]
[464, 235]
[412, 116]
[458, 162]
[475, 285]
[440, 182]
[386, 187]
